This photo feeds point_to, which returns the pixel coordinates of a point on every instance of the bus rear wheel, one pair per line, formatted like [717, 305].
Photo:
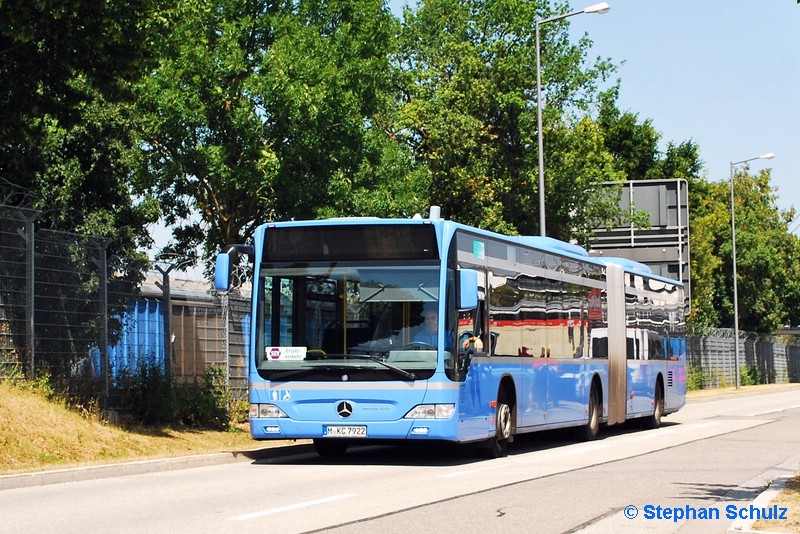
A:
[330, 448]
[591, 429]
[654, 421]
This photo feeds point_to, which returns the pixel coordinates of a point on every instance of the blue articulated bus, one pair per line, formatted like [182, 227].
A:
[369, 330]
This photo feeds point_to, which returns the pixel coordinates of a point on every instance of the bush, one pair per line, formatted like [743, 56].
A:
[750, 376]
[148, 395]
[151, 397]
[41, 385]
[203, 404]
[695, 377]
[238, 410]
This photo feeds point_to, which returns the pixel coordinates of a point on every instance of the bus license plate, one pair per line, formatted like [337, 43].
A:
[345, 432]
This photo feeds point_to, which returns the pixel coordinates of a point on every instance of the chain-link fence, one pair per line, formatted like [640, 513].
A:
[714, 355]
[16, 278]
[66, 312]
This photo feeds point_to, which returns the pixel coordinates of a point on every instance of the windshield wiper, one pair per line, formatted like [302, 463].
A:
[300, 372]
[401, 372]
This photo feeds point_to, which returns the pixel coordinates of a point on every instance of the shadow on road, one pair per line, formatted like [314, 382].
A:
[425, 454]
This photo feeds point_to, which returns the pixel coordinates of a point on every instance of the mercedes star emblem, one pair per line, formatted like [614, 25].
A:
[344, 409]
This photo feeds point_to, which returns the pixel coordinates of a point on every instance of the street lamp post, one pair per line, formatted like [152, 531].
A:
[600, 9]
[768, 155]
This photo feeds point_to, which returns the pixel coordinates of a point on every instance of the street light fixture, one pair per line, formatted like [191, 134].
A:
[600, 9]
[768, 155]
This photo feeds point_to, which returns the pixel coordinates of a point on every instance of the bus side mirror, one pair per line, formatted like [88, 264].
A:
[222, 272]
[225, 263]
[467, 289]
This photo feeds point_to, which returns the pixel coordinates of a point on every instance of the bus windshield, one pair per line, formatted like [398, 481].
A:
[359, 320]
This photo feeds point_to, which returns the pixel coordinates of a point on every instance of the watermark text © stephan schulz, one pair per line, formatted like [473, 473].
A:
[690, 513]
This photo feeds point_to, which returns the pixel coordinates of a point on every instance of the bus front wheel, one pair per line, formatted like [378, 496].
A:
[498, 444]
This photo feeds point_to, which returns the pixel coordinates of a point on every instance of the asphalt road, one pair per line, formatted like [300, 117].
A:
[714, 454]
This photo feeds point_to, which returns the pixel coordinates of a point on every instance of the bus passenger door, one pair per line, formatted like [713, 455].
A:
[474, 397]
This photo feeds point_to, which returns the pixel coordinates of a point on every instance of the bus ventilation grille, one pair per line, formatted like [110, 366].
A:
[669, 379]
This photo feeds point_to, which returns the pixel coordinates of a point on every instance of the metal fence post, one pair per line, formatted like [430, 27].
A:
[105, 357]
[30, 330]
[165, 288]
[226, 336]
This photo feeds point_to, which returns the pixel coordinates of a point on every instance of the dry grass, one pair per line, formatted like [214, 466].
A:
[37, 434]
[789, 498]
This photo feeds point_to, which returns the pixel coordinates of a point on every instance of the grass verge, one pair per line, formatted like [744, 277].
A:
[789, 497]
[37, 434]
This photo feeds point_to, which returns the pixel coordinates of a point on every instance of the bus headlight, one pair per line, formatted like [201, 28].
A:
[431, 411]
[265, 411]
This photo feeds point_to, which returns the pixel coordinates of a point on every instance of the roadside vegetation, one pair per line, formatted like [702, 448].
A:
[39, 430]
[214, 116]
[789, 498]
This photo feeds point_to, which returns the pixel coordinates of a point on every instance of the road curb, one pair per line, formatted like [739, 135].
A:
[138, 467]
[778, 476]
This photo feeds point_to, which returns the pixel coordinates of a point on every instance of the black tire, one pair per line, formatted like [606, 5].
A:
[591, 429]
[498, 444]
[330, 447]
[654, 421]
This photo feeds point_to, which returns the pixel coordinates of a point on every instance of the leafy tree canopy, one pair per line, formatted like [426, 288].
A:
[264, 110]
[66, 137]
[766, 257]
[229, 113]
[467, 110]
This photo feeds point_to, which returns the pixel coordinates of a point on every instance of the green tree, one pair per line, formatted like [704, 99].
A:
[66, 146]
[766, 257]
[55, 61]
[65, 138]
[467, 109]
[634, 146]
[327, 82]
[263, 110]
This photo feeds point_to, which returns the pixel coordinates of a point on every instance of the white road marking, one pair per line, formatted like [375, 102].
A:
[306, 504]
[777, 410]
[659, 433]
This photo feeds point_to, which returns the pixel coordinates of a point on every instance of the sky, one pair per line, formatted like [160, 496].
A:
[722, 73]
